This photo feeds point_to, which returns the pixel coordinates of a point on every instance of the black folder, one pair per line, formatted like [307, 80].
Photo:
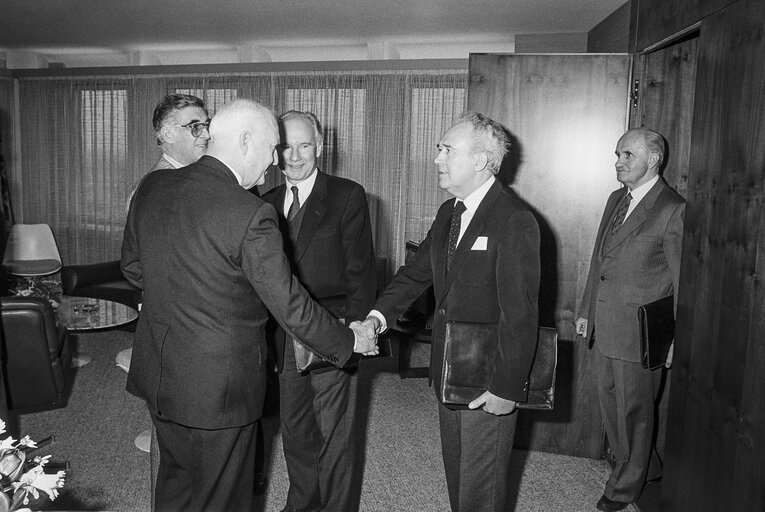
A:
[657, 331]
[469, 354]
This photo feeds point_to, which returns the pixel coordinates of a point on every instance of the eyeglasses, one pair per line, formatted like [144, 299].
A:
[196, 127]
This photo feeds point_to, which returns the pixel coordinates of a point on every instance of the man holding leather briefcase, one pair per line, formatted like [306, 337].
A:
[482, 257]
[636, 261]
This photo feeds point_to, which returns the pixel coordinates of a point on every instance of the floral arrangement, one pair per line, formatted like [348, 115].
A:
[38, 287]
[21, 476]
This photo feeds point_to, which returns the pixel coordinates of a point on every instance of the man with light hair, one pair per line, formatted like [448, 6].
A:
[208, 256]
[328, 235]
[481, 256]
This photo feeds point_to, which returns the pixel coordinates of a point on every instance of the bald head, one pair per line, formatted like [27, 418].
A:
[244, 135]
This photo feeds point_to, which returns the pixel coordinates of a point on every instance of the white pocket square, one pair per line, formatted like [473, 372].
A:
[480, 243]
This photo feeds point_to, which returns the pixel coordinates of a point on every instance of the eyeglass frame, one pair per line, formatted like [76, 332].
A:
[195, 126]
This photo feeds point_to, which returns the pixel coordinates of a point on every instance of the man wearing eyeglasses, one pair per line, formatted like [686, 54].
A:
[181, 123]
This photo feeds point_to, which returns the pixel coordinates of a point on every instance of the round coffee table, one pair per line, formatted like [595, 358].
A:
[87, 314]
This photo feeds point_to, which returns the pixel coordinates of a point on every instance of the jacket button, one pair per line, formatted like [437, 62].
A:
[442, 311]
[602, 278]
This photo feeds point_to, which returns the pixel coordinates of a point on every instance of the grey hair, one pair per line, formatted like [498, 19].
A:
[488, 137]
[310, 117]
[654, 142]
[169, 105]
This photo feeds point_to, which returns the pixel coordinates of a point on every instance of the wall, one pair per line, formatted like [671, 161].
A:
[412, 48]
[715, 457]
[616, 33]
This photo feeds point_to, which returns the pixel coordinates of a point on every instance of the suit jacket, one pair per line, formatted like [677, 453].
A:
[333, 255]
[208, 256]
[641, 263]
[161, 163]
[498, 285]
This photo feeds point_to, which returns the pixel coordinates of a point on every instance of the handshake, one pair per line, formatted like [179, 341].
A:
[366, 336]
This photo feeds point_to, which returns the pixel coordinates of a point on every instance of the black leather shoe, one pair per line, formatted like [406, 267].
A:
[609, 505]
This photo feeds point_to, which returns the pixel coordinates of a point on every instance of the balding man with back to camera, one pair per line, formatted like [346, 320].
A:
[208, 255]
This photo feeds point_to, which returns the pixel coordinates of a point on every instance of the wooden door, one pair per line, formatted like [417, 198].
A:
[667, 81]
[565, 114]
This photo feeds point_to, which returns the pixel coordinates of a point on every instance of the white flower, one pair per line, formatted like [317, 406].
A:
[2, 427]
[7, 443]
[26, 441]
[35, 479]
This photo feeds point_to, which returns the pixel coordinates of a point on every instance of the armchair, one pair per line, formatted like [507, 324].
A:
[100, 281]
[38, 356]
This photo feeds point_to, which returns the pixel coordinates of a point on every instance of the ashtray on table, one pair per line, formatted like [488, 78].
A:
[86, 308]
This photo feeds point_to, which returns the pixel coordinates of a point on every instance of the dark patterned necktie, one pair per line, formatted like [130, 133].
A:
[621, 213]
[295, 206]
[454, 231]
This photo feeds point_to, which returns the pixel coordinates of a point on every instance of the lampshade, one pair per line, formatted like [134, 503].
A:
[31, 251]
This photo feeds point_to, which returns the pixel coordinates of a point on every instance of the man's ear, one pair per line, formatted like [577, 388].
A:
[480, 161]
[167, 134]
[318, 151]
[245, 139]
[653, 161]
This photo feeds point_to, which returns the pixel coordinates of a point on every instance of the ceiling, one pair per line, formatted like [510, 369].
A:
[56, 26]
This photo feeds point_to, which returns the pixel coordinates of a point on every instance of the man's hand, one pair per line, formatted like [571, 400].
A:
[493, 404]
[366, 339]
[581, 326]
[670, 354]
[372, 323]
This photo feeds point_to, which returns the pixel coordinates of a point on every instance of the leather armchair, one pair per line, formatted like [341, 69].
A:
[100, 281]
[38, 356]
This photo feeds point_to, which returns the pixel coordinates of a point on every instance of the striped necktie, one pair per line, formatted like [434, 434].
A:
[295, 206]
[621, 213]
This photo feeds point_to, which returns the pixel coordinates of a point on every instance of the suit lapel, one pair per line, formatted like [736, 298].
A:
[475, 228]
[636, 218]
[315, 208]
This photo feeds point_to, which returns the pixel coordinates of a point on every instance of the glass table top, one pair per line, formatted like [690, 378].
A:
[86, 314]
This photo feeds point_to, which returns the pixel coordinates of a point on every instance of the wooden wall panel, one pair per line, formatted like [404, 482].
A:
[716, 432]
[613, 34]
[659, 19]
[566, 113]
[667, 83]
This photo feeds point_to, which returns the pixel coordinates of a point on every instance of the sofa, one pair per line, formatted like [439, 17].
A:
[99, 281]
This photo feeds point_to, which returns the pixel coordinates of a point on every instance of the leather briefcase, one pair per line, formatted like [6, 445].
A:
[469, 354]
[657, 331]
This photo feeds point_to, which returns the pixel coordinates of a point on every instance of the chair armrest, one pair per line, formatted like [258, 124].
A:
[77, 276]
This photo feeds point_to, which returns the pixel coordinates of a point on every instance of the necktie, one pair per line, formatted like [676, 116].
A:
[454, 231]
[295, 206]
[621, 213]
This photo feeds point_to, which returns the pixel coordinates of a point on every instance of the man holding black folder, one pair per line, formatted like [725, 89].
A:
[482, 257]
[636, 260]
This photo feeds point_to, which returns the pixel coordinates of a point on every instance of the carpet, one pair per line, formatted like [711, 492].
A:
[399, 446]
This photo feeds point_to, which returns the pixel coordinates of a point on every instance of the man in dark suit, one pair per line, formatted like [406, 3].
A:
[208, 256]
[328, 236]
[181, 123]
[636, 260]
[482, 257]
